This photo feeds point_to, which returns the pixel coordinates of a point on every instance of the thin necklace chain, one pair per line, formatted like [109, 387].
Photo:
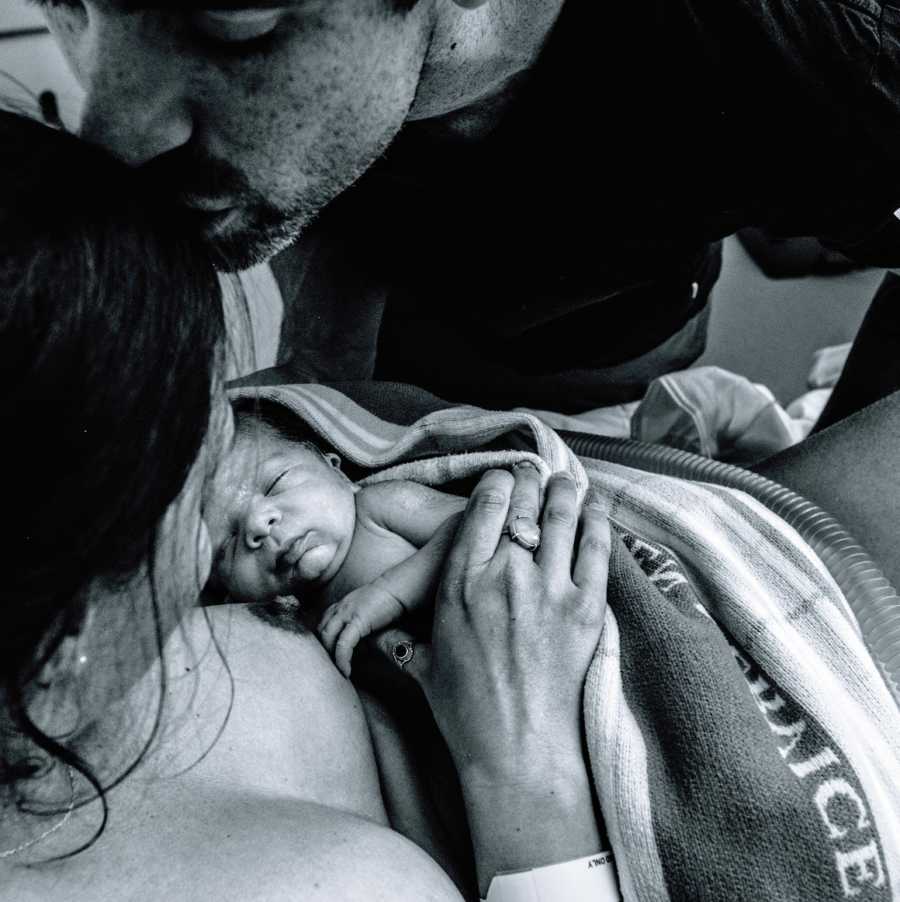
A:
[68, 813]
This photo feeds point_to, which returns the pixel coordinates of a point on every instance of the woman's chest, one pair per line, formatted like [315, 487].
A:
[291, 726]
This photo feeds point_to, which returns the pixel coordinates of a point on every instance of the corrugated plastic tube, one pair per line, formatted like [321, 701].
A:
[871, 597]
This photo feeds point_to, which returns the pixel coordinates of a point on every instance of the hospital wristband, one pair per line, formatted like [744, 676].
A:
[588, 879]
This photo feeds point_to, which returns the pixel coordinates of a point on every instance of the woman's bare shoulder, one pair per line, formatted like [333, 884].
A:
[285, 805]
[239, 849]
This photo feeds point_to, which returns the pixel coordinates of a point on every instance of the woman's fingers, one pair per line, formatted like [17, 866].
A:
[524, 501]
[558, 527]
[592, 562]
[482, 525]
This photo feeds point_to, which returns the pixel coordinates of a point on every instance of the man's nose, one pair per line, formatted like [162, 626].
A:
[261, 520]
[136, 102]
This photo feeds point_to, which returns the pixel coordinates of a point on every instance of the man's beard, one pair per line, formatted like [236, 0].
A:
[261, 229]
[262, 233]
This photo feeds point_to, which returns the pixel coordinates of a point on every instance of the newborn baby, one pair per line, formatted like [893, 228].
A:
[285, 520]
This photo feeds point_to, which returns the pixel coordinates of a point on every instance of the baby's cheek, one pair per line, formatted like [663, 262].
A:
[246, 581]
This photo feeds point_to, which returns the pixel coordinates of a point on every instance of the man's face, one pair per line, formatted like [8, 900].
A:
[253, 117]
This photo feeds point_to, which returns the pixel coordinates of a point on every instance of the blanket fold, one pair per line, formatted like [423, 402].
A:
[742, 742]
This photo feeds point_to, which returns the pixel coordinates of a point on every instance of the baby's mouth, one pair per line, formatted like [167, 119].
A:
[306, 558]
[294, 551]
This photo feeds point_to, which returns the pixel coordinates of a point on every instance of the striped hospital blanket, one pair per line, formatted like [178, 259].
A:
[743, 744]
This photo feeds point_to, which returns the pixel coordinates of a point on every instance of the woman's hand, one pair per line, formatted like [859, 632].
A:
[514, 634]
[515, 631]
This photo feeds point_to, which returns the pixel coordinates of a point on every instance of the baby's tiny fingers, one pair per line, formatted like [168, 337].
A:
[327, 614]
[330, 627]
[346, 643]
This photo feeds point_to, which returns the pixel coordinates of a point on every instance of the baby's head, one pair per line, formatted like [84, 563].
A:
[281, 513]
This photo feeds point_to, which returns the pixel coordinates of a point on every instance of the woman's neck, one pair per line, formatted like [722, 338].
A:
[39, 811]
[110, 721]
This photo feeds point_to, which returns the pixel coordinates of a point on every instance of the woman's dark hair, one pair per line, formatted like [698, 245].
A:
[110, 335]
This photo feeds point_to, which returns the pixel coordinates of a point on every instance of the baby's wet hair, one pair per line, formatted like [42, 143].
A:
[253, 414]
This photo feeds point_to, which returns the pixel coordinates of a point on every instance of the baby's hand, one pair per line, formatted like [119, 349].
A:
[407, 586]
[354, 617]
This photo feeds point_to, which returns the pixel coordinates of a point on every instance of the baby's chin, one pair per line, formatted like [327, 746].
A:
[315, 563]
[317, 566]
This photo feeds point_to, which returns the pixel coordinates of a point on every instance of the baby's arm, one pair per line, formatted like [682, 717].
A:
[404, 587]
[418, 515]
[408, 509]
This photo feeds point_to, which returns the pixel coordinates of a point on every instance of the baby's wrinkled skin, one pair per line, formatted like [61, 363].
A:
[285, 520]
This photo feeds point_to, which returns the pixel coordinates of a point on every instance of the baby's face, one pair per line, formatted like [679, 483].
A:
[281, 517]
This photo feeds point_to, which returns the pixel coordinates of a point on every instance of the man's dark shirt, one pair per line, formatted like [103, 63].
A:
[532, 266]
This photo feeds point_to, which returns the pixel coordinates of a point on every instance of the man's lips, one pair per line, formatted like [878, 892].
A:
[214, 215]
[204, 204]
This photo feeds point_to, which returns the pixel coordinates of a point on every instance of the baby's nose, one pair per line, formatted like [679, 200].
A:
[260, 522]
